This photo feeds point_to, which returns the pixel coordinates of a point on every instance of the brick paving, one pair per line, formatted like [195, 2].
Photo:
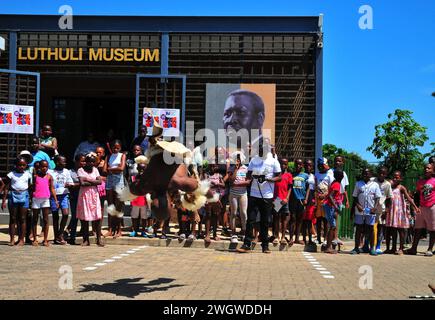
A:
[192, 273]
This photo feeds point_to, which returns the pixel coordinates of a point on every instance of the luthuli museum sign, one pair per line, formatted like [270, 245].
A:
[90, 54]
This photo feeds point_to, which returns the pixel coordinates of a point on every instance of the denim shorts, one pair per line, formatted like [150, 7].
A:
[25, 204]
[63, 200]
[367, 219]
[330, 216]
[114, 180]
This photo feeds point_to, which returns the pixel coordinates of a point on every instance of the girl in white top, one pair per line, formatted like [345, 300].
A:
[114, 167]
[18, 182]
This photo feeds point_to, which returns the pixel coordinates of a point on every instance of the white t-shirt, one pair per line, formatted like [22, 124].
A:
[60, 179]
[327, 177]
[344, 181]
[367, 193]
[267, 167]
[312, 181]
[387, 193]
[20, 181]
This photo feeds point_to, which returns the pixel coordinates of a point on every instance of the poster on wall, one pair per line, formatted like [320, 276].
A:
[232, 107]
[169, 119]
[23, 119]
[6, 121]
[16, 119]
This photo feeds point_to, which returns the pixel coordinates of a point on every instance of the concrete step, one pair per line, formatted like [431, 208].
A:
[222, 245]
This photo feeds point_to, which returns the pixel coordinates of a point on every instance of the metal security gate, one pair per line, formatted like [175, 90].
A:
[160, 91]
[19, 88]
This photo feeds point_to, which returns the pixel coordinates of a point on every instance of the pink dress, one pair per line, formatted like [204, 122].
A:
[397, 217]
[88, 203]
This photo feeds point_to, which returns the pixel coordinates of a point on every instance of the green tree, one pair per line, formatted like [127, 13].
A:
[397, 142]
[330, 151]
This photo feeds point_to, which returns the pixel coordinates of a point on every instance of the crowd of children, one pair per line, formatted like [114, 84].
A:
[301, 203]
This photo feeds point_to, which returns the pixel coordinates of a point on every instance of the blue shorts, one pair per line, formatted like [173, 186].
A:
[365, 219]
[114, 180]
[25, 203]
[63, 200]
[330, 216]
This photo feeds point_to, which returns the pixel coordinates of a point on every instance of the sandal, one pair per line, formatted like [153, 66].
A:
[275, 241]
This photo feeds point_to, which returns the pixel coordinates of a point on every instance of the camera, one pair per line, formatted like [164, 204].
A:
[261, 178]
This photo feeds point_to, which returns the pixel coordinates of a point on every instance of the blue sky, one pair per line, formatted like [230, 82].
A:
[367, 73]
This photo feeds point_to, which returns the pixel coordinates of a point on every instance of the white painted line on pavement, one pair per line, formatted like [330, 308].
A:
[113, 259]
[316, 265]
[89, 268]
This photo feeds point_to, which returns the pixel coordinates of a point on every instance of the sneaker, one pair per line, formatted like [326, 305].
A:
[150, 230]
[244, 249]
[355, 251]
[191, 237]
[379, 251]
[182, 237]
[132, 234]
[365, 249]
[428, 254]
[234, 239]
[373, 253]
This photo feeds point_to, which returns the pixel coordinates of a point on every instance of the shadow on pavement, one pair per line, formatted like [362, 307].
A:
[130, 288]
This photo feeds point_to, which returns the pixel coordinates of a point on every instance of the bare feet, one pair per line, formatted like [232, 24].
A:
[35, 243]
[299, 242]
[100, 244]
[11, 243]
[330, 251]
[20, 243]
[207, 239]
[85, 244]
[108, 233]
[46, 243]
[216, 238]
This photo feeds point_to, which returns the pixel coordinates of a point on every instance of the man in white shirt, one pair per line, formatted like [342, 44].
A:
[90, 145]
[263, 172]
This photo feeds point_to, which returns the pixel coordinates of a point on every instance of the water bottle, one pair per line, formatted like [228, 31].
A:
[367, 211]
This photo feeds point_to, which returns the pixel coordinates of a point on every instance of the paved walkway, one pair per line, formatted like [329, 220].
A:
[143, 272]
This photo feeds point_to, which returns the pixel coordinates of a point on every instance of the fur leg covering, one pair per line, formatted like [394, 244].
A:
[124, 193]
[111, 210]
[199, 197]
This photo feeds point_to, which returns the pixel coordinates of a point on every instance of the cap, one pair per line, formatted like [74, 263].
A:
[26, 155]
[322, 161]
